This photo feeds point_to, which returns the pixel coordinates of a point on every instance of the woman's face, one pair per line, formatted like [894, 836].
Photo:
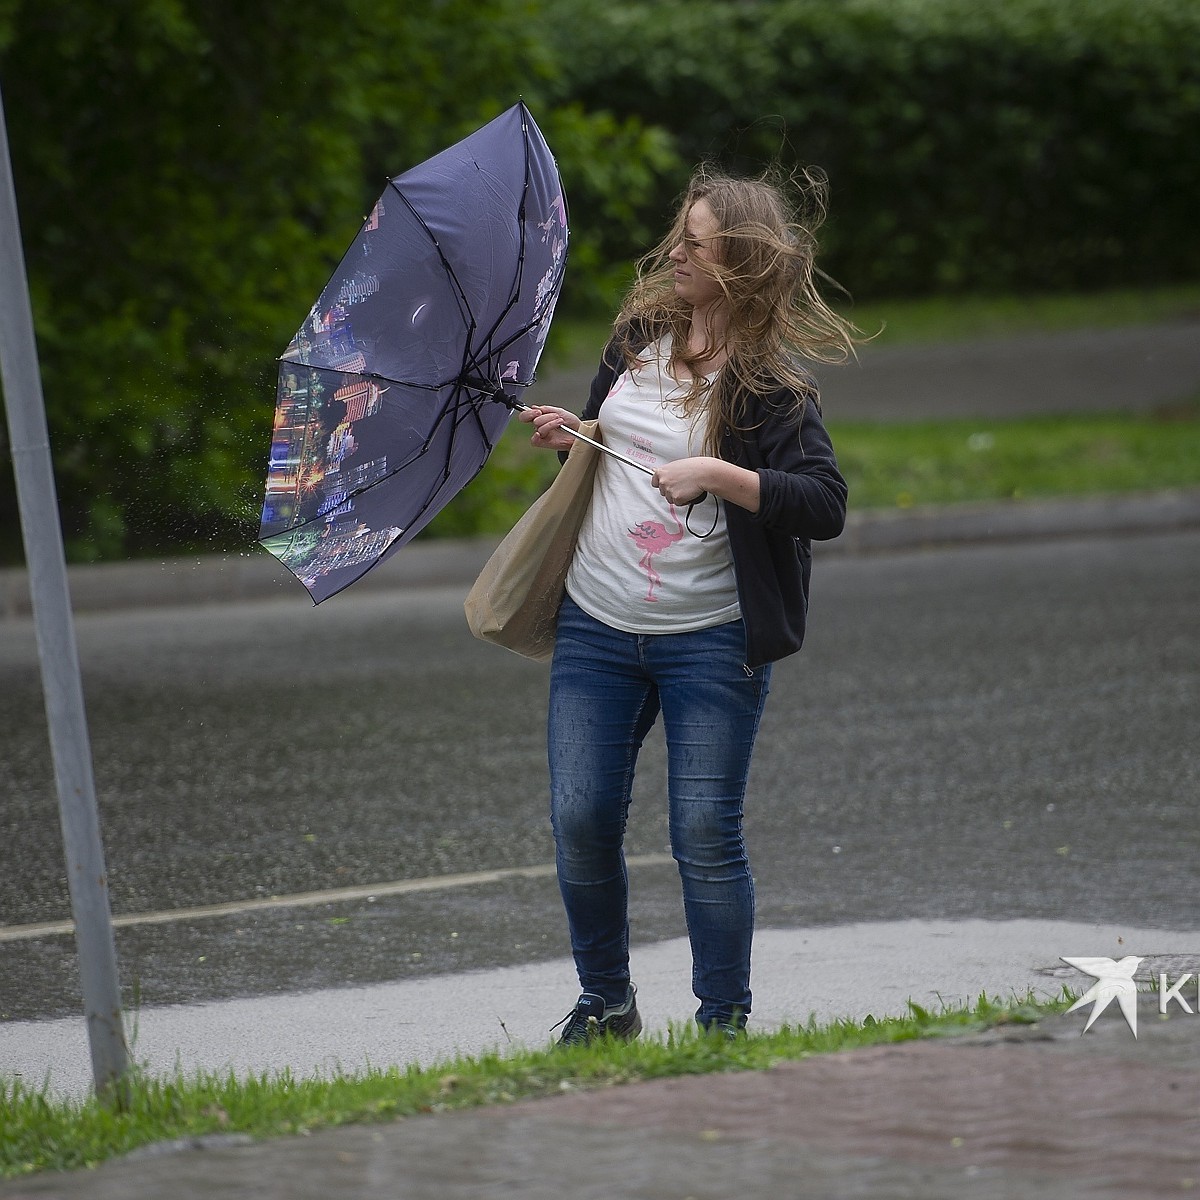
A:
[694, 284]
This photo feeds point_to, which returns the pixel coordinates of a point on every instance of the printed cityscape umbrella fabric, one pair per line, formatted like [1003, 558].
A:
[390, 396]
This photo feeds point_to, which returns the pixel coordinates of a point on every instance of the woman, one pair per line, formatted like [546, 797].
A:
[685, 588]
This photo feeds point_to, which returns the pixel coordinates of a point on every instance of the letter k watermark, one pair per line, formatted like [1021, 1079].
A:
[1175, 992]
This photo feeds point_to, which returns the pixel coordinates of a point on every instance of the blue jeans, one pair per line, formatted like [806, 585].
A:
[606, 691]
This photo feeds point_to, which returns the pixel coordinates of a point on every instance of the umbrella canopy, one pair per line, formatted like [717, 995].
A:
[402, 377]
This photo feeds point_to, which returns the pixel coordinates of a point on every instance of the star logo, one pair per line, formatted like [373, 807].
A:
[1114, 981]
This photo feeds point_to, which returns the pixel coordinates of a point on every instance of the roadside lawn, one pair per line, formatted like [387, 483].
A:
[39, 1132]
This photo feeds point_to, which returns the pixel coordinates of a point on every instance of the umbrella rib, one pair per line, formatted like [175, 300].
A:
[514, 291]
[473, 361]
[551, 296]
[321, 517]
[454, 404]
[406, 383]
[548, 300]
[472, 409]
[457, 287]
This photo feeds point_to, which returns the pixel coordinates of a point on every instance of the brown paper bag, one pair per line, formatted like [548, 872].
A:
[516, 598]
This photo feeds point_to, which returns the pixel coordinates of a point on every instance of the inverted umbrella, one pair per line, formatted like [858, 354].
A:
[402, 377]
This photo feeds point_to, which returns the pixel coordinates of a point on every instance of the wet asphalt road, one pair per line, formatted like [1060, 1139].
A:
[997, 732]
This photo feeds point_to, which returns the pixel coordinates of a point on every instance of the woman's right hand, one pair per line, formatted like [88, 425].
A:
[548, 426]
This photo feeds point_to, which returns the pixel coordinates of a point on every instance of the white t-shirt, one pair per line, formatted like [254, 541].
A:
[637, 567]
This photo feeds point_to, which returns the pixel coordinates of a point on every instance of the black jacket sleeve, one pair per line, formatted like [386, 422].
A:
[802, 492]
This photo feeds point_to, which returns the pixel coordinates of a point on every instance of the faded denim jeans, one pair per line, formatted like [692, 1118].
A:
[607, 688]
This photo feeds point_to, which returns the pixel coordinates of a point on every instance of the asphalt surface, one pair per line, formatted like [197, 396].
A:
[1003, 733]
[1153, 368]
[989, 732]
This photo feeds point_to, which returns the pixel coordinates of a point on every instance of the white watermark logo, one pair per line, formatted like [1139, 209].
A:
[1114, 981]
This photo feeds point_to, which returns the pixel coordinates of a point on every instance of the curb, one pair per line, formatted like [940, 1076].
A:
[1017, 520]
[206, 579]
[253, 575]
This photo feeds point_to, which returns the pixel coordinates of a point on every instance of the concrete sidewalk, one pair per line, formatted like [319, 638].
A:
[827, 973]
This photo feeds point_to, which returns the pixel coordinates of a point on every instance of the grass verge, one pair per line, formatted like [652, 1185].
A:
[39, 1132]
[576, 342]
[927, 462]
[949, 462]
[960, 318]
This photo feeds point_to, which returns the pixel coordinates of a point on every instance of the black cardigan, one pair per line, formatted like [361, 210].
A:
[802, 498]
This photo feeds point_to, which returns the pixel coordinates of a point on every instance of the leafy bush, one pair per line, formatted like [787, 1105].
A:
[1028, 145]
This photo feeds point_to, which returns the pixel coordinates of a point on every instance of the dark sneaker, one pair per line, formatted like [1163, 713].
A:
[591, 1018]
[730, 1031]
[729, 1028]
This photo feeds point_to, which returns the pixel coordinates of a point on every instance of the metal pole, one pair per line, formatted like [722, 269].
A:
[37, 500]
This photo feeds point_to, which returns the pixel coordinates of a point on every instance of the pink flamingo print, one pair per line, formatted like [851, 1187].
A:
[653, 537]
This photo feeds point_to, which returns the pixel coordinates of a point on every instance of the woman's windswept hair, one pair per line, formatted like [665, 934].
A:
[765, 265]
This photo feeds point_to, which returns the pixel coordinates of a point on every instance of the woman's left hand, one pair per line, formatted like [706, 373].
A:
[687, 479]
[683, 480]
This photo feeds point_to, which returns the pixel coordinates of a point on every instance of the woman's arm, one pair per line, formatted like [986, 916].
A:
[802, 492]
[786, 474]
[548, 421]
[683, 480]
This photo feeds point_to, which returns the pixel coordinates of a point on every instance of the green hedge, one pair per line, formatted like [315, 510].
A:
[1023, 144]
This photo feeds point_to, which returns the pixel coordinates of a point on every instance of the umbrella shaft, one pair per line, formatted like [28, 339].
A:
[583, 437]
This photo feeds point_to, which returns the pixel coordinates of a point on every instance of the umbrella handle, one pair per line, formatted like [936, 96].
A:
[582, 437]
[514, 404]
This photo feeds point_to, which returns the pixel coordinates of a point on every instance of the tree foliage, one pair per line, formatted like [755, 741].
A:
[188, 171]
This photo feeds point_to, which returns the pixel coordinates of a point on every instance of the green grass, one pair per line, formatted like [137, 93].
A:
[928, 462]
[38, 1132]
[576, 342]
[949, 462]
[959, 318]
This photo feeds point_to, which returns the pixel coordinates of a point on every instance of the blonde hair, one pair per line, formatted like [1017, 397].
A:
[765, 255]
